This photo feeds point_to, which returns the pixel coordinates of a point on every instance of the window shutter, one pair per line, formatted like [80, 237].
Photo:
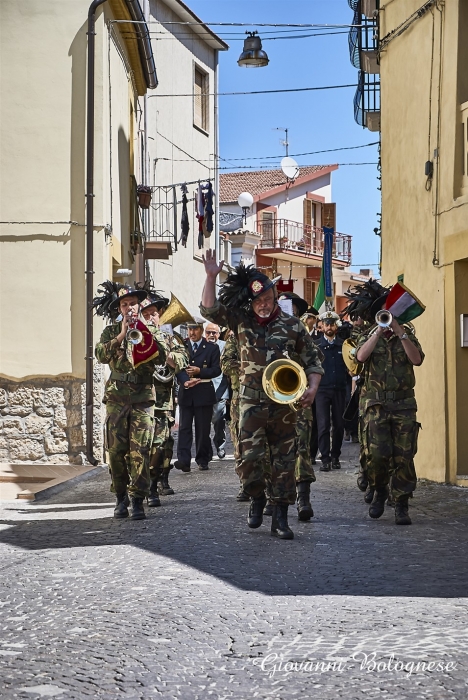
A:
[329, 216]
[307, 209]
[198, 99]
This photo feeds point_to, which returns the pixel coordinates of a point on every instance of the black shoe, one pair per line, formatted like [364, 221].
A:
[255, 518]
[377, 506]
[362, 481]
[335, 464]
[203, 467]
[163, 484]
[242, 496]
[221, 454]
[401, 512]
[153, 498]
[268, 510]
[138, 512]
[121, 506]
[304, 508]
[369, 495]
[325, 467]
[183, 467]
[279, 522]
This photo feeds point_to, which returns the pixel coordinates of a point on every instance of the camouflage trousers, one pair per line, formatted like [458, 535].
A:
[362, 447]
[303, 469]
[128, 434]
[163, 443]
[234, 426]
[264, 422]
[390, 441]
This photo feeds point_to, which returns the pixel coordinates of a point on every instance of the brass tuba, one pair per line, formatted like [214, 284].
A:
[349, 357]
[284, 381]
[175, 314]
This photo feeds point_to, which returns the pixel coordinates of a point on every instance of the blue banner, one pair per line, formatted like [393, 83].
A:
[327, 261]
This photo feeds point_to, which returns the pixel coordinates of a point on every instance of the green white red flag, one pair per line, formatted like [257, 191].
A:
[402, 304]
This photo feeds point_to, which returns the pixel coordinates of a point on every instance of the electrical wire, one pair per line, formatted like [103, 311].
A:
[268, 167]
[293, 155]
[258, 92]
[239, 24]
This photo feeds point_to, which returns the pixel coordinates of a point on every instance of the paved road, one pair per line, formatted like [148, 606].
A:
[191, 604]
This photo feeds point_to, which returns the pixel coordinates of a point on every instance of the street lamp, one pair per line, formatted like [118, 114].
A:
[252, 55]
[245, 201]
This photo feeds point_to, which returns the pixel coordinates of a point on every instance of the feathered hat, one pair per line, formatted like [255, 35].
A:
[127, 291]
[108, 292]
[366, 300]
[154, 297]
[243, 285]
[298, 301]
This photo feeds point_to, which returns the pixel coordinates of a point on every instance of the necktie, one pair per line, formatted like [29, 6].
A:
[195, 348]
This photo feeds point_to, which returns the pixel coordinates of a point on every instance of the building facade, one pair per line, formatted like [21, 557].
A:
[424, 128]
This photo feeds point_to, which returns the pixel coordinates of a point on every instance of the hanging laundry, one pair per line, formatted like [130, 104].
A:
[208, 192]
[184, 220]
[200, 203]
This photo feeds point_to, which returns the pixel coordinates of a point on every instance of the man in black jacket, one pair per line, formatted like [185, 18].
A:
[331, 393]
[196, 398]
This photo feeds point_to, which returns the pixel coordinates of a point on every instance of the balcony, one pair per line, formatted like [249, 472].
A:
[299, 240]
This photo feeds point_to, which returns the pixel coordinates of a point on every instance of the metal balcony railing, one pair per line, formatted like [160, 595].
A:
[367, 101]
[286, 235]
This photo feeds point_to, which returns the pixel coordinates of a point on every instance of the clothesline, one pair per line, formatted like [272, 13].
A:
[180, 184]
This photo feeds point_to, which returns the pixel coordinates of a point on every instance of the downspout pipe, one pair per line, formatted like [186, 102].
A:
[144, 43]
[90, 233]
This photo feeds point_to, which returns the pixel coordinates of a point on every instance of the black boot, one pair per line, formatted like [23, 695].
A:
[164, 488]
[369, 495]
[279, 522]
[304, 508]
[401, 512]
[138, 512]
[121, 506]
[268, 510]
[326, 467]
[242, 496]
[362, 481]
[153, 498]
[377, 506]
[336, 463]
[257, 505]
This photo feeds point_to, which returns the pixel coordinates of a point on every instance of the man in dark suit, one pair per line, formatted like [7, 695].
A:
[196, 398]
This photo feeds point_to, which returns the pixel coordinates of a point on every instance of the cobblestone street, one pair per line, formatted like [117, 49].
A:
[191, 604]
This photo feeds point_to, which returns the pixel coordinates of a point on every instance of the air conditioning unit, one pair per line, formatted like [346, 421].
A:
[369, 62]
[369, 8]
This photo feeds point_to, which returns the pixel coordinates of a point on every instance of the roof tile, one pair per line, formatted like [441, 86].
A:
[257, 181]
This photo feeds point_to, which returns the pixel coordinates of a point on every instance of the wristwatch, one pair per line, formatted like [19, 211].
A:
[404, 336]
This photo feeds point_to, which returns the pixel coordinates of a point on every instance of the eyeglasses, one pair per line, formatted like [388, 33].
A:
[212, 332]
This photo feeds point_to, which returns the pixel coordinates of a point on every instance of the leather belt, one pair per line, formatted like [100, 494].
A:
[393, 395]
[249, 393]
[131, 378]
[201, 381]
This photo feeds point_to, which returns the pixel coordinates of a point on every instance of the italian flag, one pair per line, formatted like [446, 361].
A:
[319, 301]
[326, 276]
[402, 304]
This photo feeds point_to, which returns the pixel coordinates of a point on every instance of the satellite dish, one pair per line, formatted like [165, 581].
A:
[290, 168]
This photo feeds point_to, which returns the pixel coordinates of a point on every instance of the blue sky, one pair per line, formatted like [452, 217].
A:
[316, 120]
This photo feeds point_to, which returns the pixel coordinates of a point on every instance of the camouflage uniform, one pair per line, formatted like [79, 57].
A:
[262, 420]
[230, 366]
[389, 429]
[129, 397]
[163, 442]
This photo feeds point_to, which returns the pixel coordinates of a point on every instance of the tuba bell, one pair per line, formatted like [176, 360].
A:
[383, 318]
[284, 381]
[349, 357]
[175, 314]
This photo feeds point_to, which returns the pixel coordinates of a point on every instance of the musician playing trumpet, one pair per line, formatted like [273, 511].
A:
[389, 430]
[129, 394]
[164, 383]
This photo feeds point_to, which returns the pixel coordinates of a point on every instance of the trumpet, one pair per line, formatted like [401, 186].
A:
[133, 336]
[383, 318]
[284, 381]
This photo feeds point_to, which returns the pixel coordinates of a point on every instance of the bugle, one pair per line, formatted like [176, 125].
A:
[383, 318]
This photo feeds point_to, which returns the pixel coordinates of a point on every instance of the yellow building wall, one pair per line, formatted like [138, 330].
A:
[425, 225]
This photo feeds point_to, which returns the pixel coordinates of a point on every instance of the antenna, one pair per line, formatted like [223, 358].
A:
[284, 142]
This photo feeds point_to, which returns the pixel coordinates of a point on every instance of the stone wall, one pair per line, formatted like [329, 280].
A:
[43, 420]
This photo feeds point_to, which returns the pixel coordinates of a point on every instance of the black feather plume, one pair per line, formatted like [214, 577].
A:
[362, 296]
[108, 292]
[235, 291]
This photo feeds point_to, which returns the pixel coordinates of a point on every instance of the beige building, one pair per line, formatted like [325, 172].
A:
[424, 127]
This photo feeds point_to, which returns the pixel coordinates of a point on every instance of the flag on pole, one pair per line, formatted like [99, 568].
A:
[325, 288]
[402, 304]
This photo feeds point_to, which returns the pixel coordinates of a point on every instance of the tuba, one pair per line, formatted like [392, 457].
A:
[175, 314]
[349, 357]
[284, 381]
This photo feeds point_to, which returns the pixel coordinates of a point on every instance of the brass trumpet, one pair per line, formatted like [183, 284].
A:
[383, 318]
[284, 381]
[133, 336]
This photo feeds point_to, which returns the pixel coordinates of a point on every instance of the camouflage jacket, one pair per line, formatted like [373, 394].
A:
[260, 345]
[109, 351]
[165, 391]
[230, 362]
[388, 370]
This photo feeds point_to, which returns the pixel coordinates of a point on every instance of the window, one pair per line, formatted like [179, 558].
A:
[201, 99]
